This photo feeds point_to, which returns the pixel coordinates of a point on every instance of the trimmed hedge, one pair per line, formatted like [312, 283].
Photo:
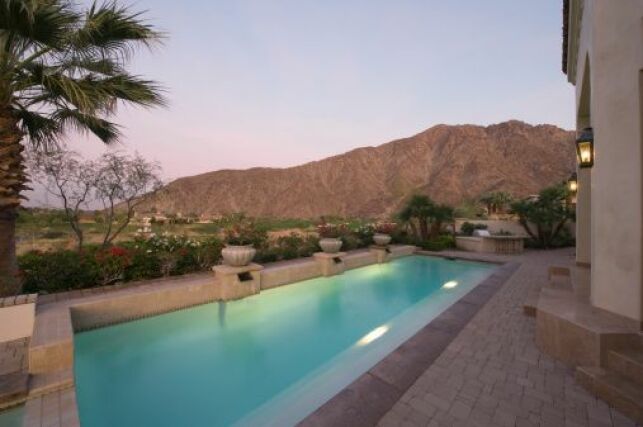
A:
[158, 256]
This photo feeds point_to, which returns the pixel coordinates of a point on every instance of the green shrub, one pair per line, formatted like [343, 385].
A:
[53, 234]
[364, 232]
[57, 271]
[295, 246]
[144, 265]
[467, 228]
[112, 263]
[440, 243]
[351, 242]
[266, 255]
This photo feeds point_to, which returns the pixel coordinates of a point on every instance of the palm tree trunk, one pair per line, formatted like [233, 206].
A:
[12, 182]
[424, 228]
[8, 266]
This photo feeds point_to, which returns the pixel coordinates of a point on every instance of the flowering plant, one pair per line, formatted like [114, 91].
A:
[112, 262]
[331, 231]
[385, 227]
[243, 233]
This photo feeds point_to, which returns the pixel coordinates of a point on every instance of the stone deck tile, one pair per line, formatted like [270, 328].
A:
[13, 356]
[492, 373]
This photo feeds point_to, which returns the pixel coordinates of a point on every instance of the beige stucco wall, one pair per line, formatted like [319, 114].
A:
[611, 38]
[16, 322]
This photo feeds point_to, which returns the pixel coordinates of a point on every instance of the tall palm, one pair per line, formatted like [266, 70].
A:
[61, 69]
[418, 208]
[440, 214]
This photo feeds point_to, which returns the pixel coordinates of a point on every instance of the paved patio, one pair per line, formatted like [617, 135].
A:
[492, 373]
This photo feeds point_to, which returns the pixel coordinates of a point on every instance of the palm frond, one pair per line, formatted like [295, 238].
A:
[41, 130]
[43, 23]
[106, 131]
[112, 29]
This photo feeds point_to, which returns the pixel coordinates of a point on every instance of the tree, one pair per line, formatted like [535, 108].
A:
[544, 217]
[496, 201]
[440, 215]
[69, 178]
[424, 216]
[61, 69]
[124, 182]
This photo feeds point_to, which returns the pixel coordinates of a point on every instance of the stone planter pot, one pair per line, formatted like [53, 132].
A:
[330, 245]
[381, 239]
[238, 256]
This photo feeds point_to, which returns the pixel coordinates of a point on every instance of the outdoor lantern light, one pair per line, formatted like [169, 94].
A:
[585, 148]
[572, 183]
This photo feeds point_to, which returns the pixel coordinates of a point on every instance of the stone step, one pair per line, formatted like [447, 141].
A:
[13, 388]
[530, 305]
[617, 390]
[49, 382]
[628, 363]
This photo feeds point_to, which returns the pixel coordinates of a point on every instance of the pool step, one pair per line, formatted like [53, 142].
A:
[619, 391]
[13, 388]
[49, 382]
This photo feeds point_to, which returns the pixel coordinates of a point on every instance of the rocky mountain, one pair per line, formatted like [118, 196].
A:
[449, 163]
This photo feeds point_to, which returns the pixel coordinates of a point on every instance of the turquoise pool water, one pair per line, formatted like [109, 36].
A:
[12, 417]
[269, 359]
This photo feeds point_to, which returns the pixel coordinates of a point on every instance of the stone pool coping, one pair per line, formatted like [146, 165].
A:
[367, 399]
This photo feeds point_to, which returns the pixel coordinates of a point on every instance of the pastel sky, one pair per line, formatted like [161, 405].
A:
[282, 82]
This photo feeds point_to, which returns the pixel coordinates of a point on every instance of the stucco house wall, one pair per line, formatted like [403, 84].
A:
[607, 69]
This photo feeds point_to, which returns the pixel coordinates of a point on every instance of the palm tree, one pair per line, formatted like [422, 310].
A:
[440, 214]
[61, 69]
[496, 201]
[419, 208]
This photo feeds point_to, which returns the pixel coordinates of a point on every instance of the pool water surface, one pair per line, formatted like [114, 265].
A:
[269, 359]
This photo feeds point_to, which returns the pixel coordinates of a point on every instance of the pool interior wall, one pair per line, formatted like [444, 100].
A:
[269, 359]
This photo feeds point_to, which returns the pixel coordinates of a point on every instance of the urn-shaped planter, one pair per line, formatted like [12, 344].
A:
[330, 245]
[238, 256]
[381, 239]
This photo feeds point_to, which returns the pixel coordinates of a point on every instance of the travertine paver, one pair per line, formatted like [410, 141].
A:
[13, 356]
[493, 374]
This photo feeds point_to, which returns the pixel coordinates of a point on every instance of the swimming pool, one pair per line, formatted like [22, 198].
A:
[269, 359]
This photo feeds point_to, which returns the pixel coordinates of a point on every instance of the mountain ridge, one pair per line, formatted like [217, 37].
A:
[450, 163]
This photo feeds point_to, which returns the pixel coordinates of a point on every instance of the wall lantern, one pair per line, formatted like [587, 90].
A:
[572, 183]
[585, 148]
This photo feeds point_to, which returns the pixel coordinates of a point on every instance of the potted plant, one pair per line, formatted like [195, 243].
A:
[239, 249]
[329, 237]
[383, 230]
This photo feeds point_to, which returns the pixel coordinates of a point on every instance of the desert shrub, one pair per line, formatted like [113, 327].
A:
[266, 254]
[467, 228]
[208, 252]
[58, 271]
[53, 234]
[364, 232]
[245, 232]
[112, 263]
[351, 242]
[144, 265]
[440, 243]
[544, 217]
[295, 246]
[562, 240]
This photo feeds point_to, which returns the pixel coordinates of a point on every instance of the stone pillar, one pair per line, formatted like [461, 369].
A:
[236, 282]
[382, 253]
[330, 264]
[583, 218]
